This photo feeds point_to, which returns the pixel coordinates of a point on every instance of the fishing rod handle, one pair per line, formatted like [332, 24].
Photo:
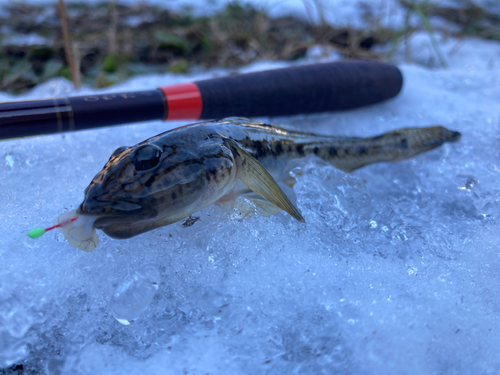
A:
[304, 89]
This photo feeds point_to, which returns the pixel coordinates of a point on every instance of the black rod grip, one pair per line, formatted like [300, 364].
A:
[303, 89]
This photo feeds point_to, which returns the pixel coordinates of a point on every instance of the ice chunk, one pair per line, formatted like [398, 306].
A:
[79, 233]
[134, 294]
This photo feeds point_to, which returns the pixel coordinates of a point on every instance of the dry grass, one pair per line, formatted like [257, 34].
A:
[114, 42]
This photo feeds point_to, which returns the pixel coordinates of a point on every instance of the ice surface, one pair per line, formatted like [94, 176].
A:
[395, 270]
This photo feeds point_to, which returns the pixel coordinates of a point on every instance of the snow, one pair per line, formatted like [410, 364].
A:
[395, 270]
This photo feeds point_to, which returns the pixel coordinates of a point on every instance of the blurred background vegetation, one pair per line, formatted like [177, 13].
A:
[111, 42]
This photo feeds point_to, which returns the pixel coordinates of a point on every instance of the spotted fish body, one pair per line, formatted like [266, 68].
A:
[166, 178]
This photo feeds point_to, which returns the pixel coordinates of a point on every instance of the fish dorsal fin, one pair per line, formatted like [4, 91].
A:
[258, 179]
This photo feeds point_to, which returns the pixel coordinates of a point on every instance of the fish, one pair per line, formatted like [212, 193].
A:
[172, 175]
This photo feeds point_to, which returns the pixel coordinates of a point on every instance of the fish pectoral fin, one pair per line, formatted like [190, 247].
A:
[226, 202]
[258, 179]
[263, 206]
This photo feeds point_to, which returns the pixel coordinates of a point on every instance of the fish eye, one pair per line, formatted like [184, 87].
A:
[146, 157]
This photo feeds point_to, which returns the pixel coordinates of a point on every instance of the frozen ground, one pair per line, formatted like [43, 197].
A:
[395, 270]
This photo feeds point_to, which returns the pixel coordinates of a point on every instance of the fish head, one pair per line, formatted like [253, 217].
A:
[156, 183]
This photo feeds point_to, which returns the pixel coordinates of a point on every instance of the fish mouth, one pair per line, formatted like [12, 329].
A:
[116, 213]
[123, 227]
[103, 221]
[126, 224]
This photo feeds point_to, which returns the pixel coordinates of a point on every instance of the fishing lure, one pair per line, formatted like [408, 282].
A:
[168, 177]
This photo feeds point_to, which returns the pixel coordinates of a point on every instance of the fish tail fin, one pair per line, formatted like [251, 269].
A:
[393, 146]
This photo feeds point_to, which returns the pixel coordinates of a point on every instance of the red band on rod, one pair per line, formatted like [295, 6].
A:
[183, 101]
